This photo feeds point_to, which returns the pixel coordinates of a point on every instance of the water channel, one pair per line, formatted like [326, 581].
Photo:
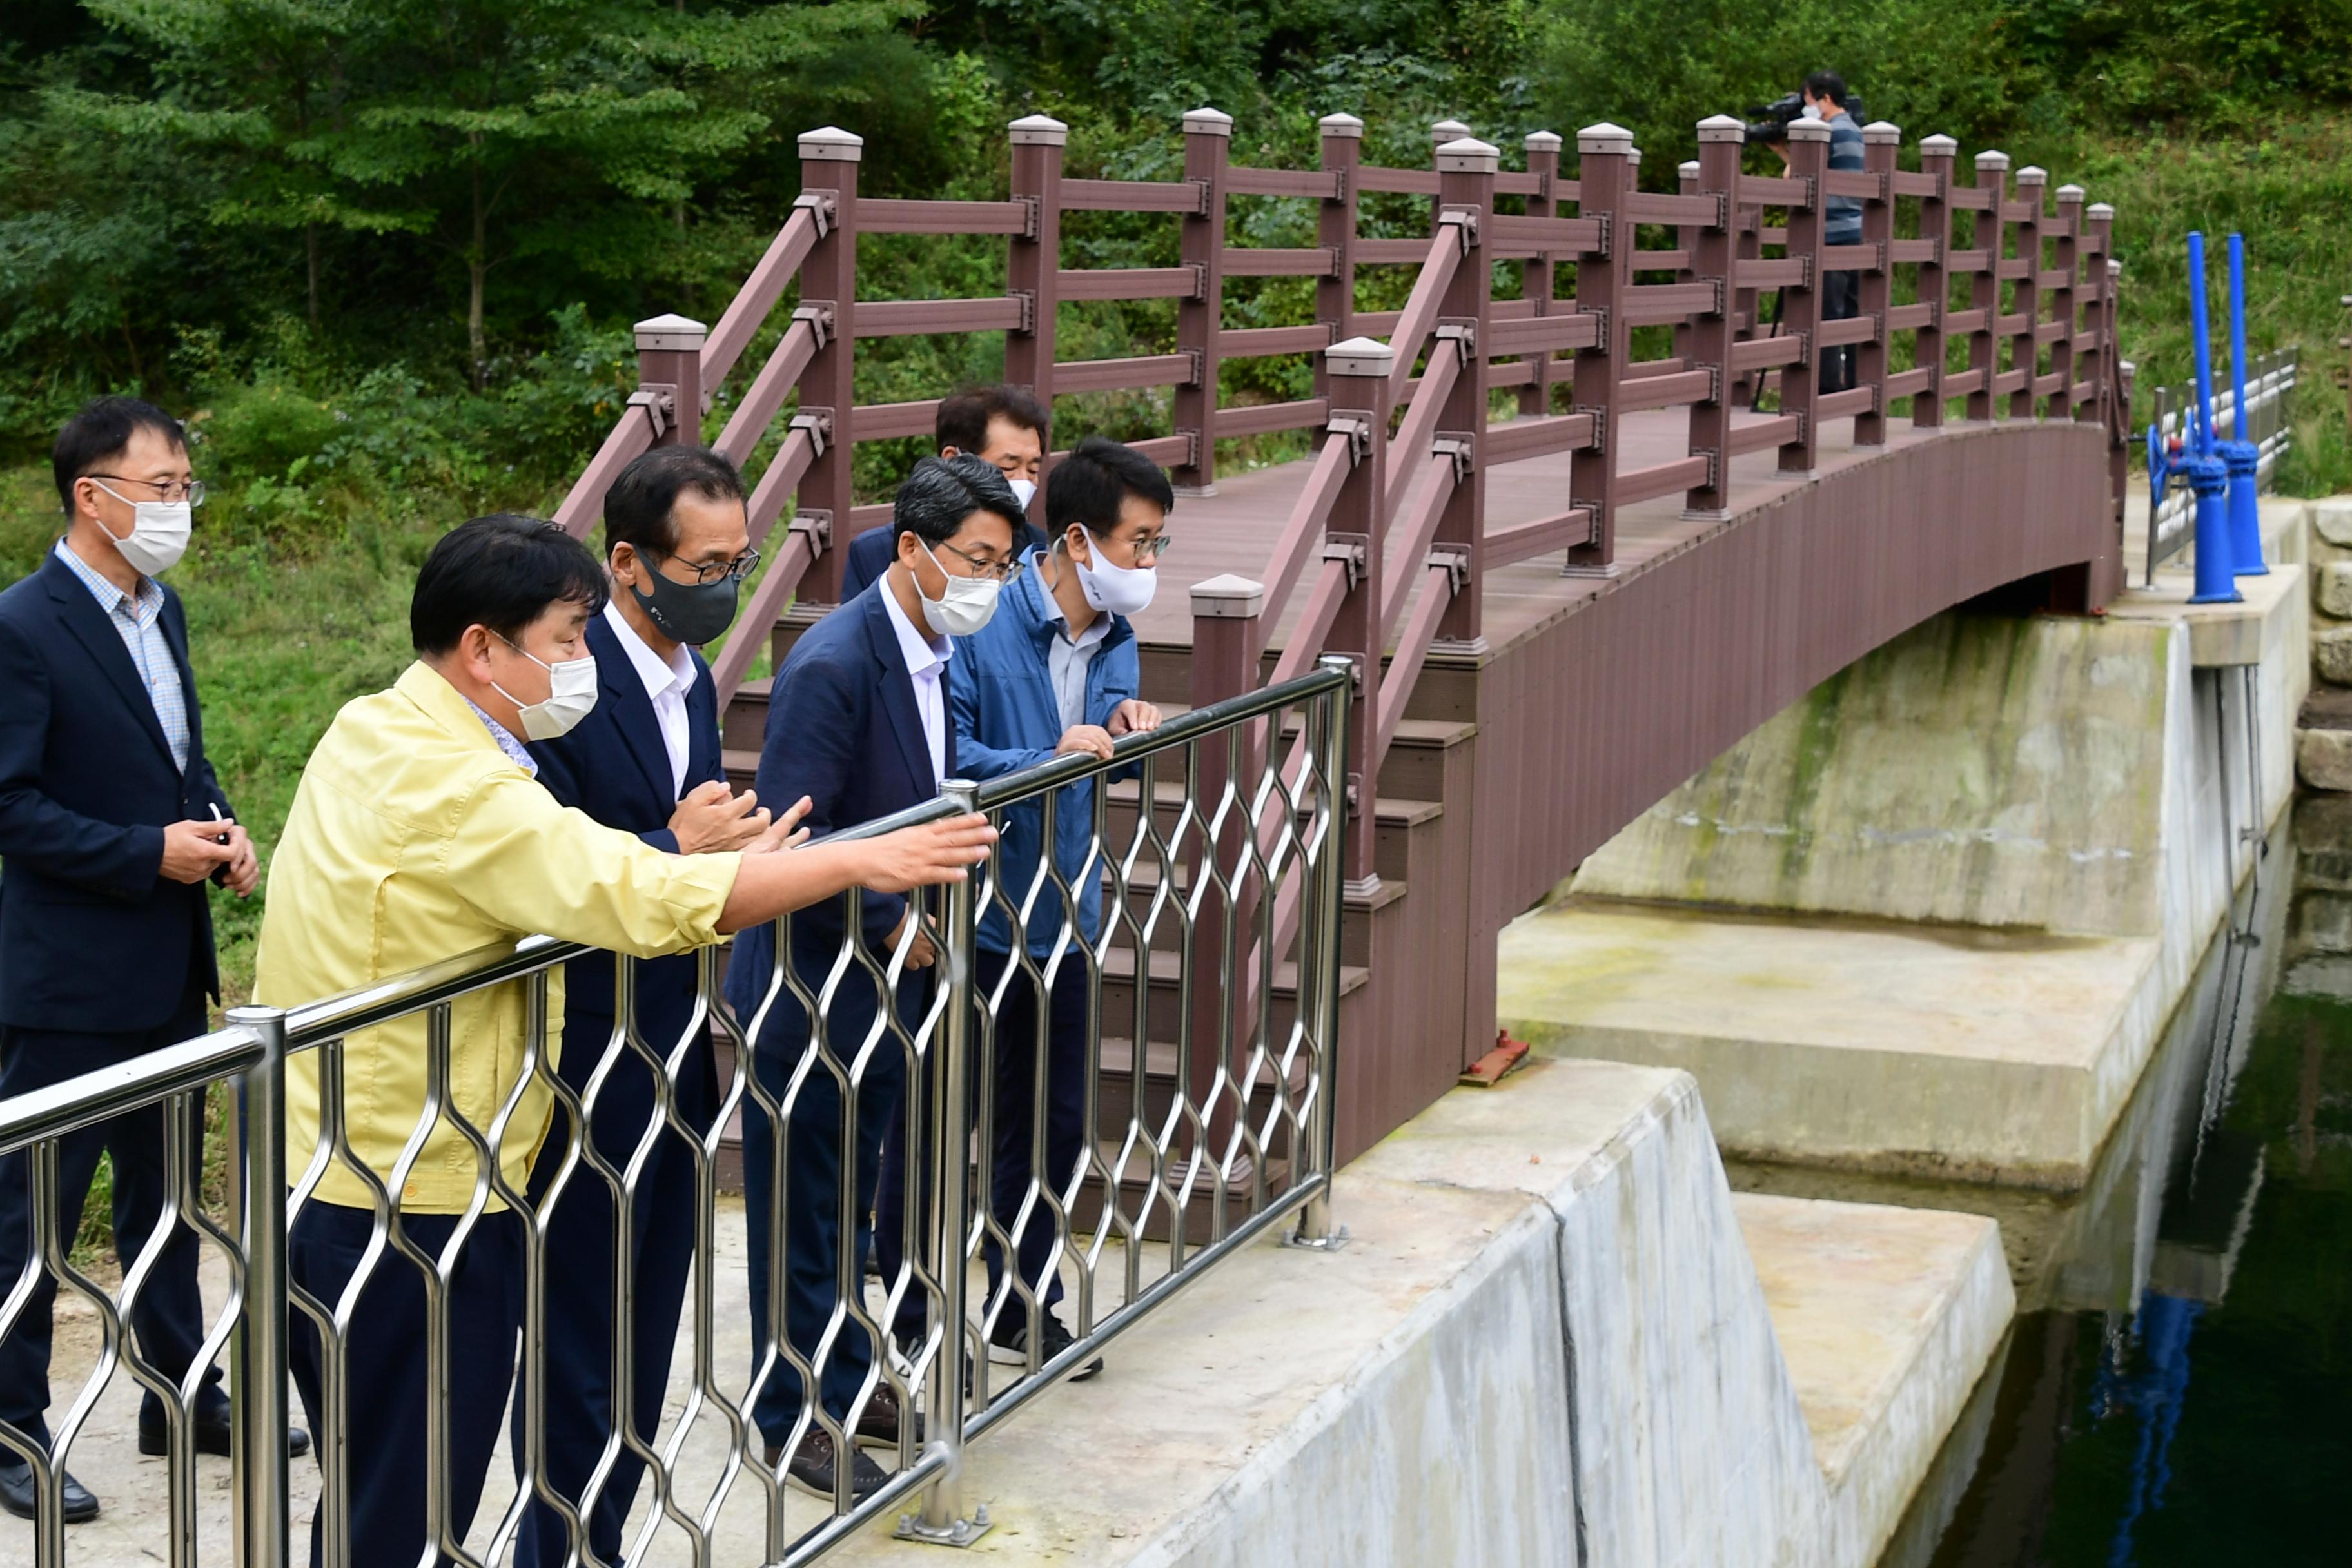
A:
[2178, 1386]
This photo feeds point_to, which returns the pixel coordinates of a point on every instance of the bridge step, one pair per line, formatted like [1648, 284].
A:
[1162, 1063]
[1405, 831]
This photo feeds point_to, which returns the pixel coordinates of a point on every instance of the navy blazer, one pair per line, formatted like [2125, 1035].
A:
[843, 731]
[93, 937]
[871, 553]
[614, 766]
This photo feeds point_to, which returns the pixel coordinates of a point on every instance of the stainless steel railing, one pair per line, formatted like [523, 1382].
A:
[1218, 1130]
[2171, 520]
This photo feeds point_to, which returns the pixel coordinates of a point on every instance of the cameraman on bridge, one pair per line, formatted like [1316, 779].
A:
[1825, 99]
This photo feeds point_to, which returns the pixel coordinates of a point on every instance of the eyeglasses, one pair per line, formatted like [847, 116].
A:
[742, 566]
[996, 571]
[1143, 549]
[193, 492]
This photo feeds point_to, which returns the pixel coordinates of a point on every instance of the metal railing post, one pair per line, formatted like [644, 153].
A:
[1328, 730]
[257, 1407]
[944, 1520]
[1936, 155]
[1800, 307]
[829, 160]
[1208, 144]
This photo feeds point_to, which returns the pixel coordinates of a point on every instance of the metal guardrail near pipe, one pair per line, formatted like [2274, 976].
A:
[1208, 1123]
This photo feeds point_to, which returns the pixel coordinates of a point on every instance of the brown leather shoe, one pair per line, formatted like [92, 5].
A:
[812, 1467]
[879, 1423]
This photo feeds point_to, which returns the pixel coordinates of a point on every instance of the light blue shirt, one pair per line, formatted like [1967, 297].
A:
[138, 620]
[516, 752]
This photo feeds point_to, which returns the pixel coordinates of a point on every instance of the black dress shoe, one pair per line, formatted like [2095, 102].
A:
[16, 1495]
[214, 1436]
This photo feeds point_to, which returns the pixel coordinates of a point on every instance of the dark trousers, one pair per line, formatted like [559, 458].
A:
[810, 1202]
[1015, 1107]
[169, 1316]
[1840, 302]
[385, 1368]
[582, 1407]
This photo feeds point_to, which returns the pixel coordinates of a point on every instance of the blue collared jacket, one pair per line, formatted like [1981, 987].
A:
[1006, 718]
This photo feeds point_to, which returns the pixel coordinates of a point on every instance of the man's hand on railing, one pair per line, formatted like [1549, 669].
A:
[767, 886]
[1134, 717]
[921, 954]
[1083, 739]
[783, 834]
[712, 819]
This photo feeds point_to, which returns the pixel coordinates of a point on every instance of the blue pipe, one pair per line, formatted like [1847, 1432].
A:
[2203, 468]
[2240, 453]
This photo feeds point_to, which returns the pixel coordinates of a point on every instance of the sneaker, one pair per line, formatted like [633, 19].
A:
[812, 1468]
[1008, 1344]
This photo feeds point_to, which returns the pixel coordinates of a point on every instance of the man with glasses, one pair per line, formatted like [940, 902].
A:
[645, 760]
[857, 724]
[111, 823]
[1056, 673]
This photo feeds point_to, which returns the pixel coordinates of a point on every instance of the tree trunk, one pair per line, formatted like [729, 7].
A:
[310, 250]
[476, 274]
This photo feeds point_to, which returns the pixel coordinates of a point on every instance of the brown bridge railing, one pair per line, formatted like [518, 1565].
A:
[1388, 537]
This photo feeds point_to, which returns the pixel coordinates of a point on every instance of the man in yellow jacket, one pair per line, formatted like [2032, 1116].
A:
[418, 833]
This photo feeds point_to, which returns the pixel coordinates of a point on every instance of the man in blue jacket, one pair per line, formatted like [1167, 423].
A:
[859, 725]
[645, 760]
[1055, 672]
[111, 825]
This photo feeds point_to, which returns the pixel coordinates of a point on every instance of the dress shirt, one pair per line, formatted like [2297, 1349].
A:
[667, 683]
[516, 752]
[415, 839]
[139, 622]
[927, 664]
[1067, 658]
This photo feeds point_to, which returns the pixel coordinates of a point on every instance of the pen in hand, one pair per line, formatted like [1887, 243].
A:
[220, 872]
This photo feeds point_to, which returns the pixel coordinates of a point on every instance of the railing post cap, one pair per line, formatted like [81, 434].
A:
[670, 332]
[1207, 122]
[2071, 193]
[1722, 128]
[2099, 211]
[831, 144]
[1346, 125]
[2033, 174]
[1039, 130]
[1688, 169]
[1992, 160]
[1447, 130]
[1633, 156]
[1469, 155]
[1229, 598]
[1605, 138]
[1882, 133]
[1939, 146]
[1544, 141]
[1359, 356]
[1807, 131]
[2114, 266]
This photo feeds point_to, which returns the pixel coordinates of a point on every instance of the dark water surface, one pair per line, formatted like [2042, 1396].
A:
[2177, 1387]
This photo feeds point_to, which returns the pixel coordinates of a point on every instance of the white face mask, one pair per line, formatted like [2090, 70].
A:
[1023, 490]
[570, 695]
[1813, 111]
[159, 532]
[1114, 589]
[964, 607]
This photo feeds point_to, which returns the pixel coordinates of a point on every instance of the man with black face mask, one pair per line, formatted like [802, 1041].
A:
[645, 760]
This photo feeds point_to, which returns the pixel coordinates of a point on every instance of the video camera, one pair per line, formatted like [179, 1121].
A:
[1769, 123]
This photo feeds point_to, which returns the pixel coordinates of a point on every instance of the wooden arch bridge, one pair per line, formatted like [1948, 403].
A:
[1567, 576]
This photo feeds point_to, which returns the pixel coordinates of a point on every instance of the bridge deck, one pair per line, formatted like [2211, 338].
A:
[1234, 529]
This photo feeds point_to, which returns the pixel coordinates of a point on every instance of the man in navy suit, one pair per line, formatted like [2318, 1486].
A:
[857, 724]
[111, 825]
[645, 760]
[1004, 426]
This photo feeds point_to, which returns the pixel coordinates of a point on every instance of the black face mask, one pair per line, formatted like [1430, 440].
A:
[690, 613]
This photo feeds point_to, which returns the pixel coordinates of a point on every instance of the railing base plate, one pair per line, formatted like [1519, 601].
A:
[1611, 570]
[1331, 1243]
[956, 1532]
